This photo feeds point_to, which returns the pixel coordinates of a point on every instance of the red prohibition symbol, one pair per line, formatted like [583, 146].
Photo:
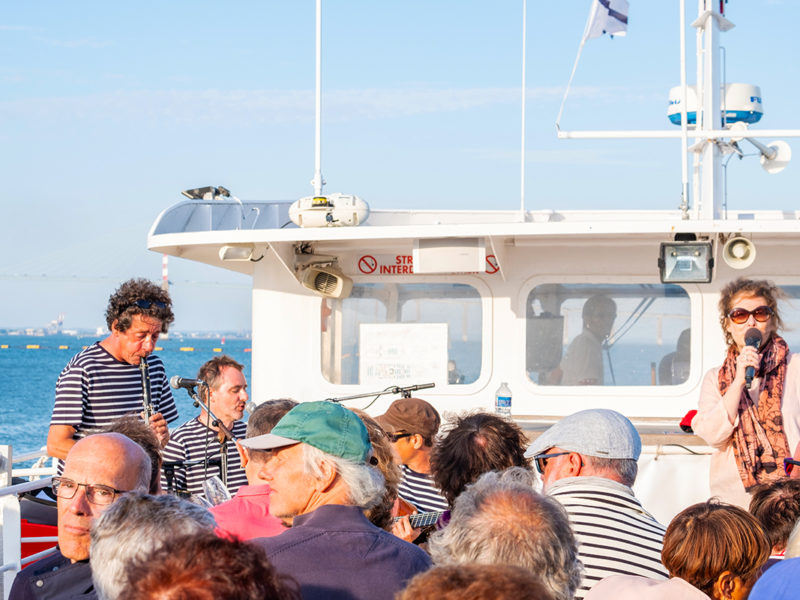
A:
[367, 264]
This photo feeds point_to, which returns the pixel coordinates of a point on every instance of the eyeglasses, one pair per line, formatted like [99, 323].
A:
[148, 303]
[393, 437]
[96, 494]
[789, 463]
[762, 314]
[541, 460]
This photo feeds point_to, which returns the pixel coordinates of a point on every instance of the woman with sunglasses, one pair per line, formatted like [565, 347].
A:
[754, 427]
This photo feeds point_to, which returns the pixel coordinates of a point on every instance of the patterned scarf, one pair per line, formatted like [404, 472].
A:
[759, 442]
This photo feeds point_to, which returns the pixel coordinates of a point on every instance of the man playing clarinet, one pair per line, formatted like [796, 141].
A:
[118, 375]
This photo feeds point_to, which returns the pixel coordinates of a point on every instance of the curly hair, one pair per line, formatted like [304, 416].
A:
[776, 505]
[122, 304]
[752, 287]
[709, 538]
[474, 444]
[383, 457]
[203, 566]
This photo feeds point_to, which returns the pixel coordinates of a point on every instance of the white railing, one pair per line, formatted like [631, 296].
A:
[10, 528]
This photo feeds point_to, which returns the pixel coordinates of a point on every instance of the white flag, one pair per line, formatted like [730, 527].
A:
[607, 16]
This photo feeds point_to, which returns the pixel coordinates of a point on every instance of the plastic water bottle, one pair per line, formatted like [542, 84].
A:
[502, 400]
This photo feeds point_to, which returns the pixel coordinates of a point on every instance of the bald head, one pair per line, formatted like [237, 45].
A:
[102, 459]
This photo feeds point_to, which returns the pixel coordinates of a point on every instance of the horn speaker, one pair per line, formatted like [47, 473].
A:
[327, 282]
[739, 253]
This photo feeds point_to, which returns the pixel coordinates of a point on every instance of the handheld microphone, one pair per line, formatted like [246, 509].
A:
[752, 337]
[250, 407]
[177, 382]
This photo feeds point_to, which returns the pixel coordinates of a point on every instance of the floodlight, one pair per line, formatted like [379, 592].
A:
[686, 262]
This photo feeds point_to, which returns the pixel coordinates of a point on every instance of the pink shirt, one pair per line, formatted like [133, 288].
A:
[246, 515]
[713, 425]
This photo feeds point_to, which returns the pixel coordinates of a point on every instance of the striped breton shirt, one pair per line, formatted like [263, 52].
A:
[615, 535]
[95, 388]
[420, 491]
[188, 443]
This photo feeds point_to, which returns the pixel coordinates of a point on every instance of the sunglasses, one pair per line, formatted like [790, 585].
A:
[789, 464]
[145, 304]
[762, 314]
[541, 460]
[393, 437]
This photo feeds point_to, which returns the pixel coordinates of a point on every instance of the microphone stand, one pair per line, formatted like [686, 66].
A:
[228, 434]
[405, 391]
[169, 471]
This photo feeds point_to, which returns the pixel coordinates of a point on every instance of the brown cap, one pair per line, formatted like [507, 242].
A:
[411, 415]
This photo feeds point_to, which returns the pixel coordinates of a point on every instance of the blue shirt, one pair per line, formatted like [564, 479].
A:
[335, 553]
[54, 577]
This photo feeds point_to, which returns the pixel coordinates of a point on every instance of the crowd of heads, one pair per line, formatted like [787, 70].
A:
[502, 538]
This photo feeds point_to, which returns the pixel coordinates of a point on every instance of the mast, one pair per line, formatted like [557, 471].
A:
[709, 24]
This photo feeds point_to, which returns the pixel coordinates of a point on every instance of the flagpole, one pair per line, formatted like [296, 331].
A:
[684, 207]
[589, 21]
[524, 90]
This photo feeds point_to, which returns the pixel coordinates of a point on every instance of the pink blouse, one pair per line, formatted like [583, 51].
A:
[713, 425]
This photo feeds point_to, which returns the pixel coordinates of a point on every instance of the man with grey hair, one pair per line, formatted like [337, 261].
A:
[246, 515]
[500, 519]
[320, 478]
[99, 468]
[588, 463]
[135, 525]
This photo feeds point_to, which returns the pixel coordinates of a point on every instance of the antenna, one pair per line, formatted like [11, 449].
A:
[318, 181]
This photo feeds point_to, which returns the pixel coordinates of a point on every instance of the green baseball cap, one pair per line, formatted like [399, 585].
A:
[327, 426]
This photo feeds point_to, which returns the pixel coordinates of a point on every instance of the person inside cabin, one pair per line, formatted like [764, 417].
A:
[673, 368]
[411, 425]
[200, 448]
[322, 479]
[502, 520]
[471, 445]
[752, 428]
[97, 471]
[202, 566]
[712, 550]
[246, 515]
[134, 525]
[588, 462]
[106, 380]
[583, 362]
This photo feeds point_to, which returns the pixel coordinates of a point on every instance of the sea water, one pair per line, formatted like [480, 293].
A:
[30, 365]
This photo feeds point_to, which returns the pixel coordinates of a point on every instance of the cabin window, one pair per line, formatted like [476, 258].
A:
[395, 334]
[790, 315]
[603, 334]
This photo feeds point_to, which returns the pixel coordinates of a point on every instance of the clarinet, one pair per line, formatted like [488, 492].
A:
[146, 402]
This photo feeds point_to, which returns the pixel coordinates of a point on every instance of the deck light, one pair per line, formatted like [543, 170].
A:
[238, 253]
[207, 193]
[686, 260]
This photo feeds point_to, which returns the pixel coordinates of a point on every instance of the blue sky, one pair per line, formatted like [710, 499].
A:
[109, 110]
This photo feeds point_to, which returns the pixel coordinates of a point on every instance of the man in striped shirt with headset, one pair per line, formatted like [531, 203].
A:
[412, 424]
[106, 380]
